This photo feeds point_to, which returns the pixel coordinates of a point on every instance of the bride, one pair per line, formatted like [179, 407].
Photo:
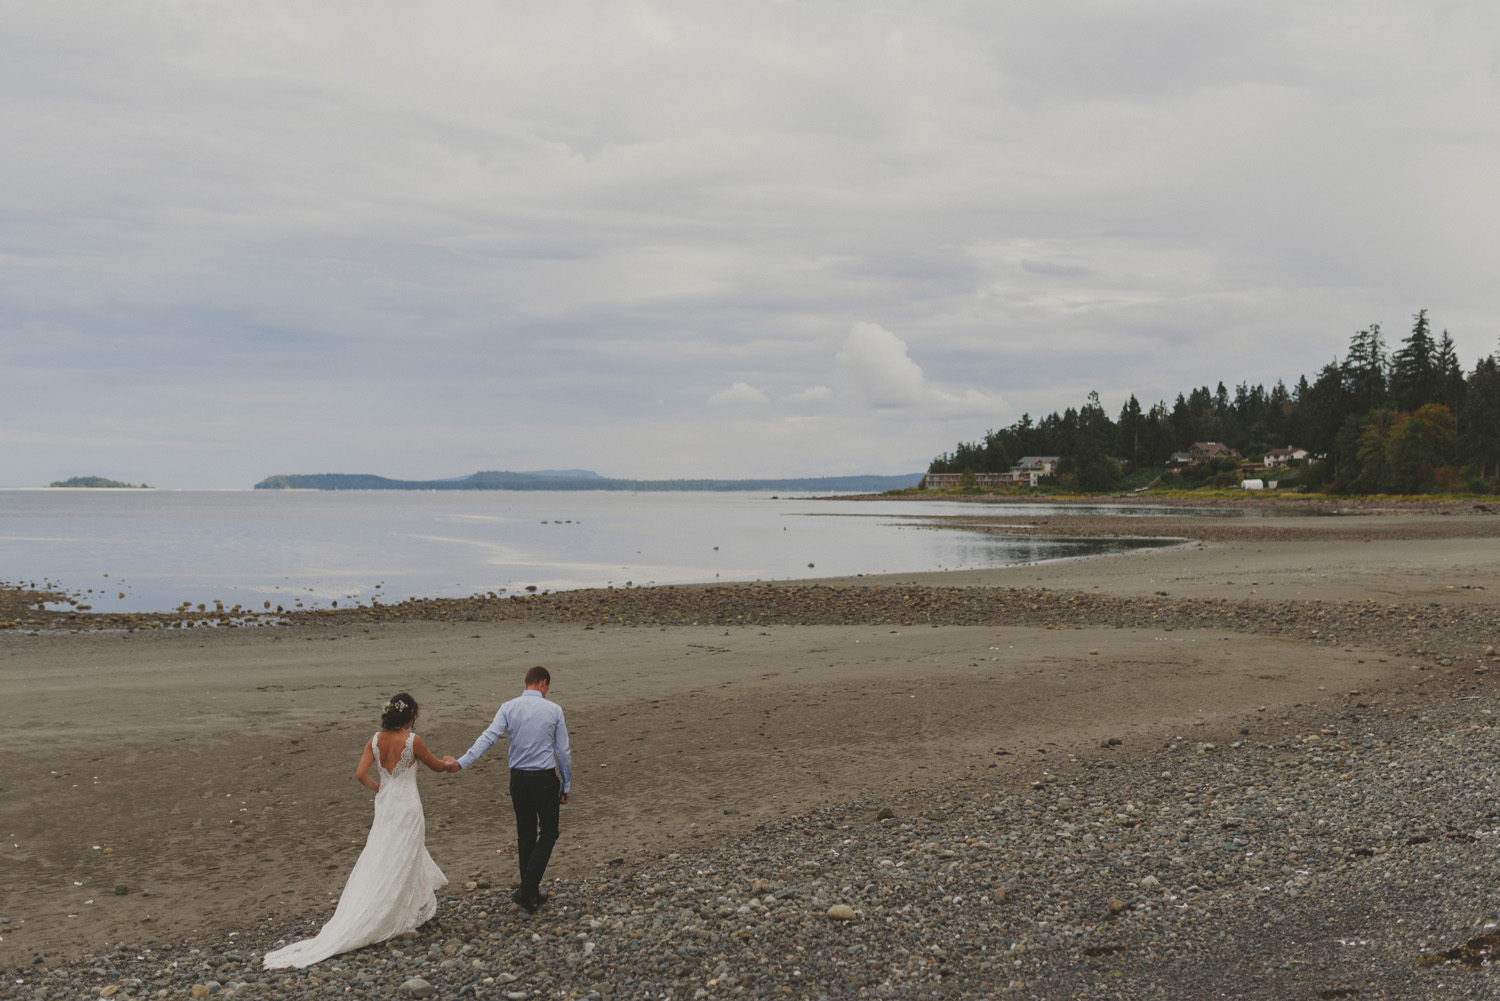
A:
[391, 890]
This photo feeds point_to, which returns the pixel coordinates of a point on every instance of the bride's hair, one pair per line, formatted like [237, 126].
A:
[398, 712]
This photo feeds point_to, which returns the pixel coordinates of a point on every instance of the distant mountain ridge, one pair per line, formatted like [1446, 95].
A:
[578, 479]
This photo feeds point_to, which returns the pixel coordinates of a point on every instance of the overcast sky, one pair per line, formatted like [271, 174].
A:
[661, 239]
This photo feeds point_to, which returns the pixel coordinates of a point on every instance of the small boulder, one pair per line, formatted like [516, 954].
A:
[841, 912]
[418, 988]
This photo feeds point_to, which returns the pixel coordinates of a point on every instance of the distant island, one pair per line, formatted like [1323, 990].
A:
[96, 481]
[580, 479]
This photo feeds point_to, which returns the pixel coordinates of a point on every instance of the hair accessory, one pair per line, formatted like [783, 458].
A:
[399, 704]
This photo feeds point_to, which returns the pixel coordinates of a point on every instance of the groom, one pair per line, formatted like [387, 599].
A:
[538, 739]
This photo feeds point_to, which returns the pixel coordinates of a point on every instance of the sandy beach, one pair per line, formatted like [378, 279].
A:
[175, 783]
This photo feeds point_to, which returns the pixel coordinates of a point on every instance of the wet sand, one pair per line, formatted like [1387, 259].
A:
[213, 768]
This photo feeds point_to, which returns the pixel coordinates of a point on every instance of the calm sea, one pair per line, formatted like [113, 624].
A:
[149, 550]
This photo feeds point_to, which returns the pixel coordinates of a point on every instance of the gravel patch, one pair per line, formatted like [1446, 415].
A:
[1352, 858]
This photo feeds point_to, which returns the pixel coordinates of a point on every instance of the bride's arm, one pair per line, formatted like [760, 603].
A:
[425, 756]
[362, 773]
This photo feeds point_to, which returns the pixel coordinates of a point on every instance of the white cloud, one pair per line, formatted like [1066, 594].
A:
[739, 393]
[878, 365]
[812, 394]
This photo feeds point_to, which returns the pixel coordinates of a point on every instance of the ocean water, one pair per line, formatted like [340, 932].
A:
[151, 550]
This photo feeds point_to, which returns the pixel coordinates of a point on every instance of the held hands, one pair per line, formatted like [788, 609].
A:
[450, 764]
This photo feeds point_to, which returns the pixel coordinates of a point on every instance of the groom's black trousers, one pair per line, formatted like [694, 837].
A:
[533, 795]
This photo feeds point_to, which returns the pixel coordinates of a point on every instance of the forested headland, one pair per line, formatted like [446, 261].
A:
[1408, 420]
[95, 482]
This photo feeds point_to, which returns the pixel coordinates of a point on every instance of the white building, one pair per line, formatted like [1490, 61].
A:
[1278, 457]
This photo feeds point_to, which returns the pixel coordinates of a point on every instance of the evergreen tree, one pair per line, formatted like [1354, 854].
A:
[1157, 436]
[1365, 369]
[1345, 453]
[997, 456]
[1201, 406]
[1087, 465]
[1449, 375]
[1479, 437]
[1278, 417]
[1131, 426]
[1325, 406]
[1184, 429]
[1373, 454]
[1298, 420]
[1414, 368]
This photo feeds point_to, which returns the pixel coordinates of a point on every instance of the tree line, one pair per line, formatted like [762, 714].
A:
[95, 482]
[1408, 420]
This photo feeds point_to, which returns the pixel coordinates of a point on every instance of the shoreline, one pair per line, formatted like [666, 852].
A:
[1250, 500]
[20, 606]
[212, 762]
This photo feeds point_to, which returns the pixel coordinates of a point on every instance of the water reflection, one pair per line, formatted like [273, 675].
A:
[126, 551]
[1020, 510]
[978, 552]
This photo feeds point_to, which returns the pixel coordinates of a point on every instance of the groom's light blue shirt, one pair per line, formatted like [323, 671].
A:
[538, 736]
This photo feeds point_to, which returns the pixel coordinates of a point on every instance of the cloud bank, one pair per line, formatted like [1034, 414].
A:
[664, 239]
[884, 374]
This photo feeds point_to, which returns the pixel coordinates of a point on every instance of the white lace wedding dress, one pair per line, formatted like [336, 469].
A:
[391, 890]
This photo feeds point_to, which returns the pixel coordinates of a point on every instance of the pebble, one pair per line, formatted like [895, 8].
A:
[1287, 867]
[1354, 865]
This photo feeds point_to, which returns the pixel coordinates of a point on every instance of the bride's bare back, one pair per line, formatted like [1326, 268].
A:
[391, 743]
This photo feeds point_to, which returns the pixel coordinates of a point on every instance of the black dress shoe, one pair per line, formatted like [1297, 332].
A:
[527, 904]
[542, 896]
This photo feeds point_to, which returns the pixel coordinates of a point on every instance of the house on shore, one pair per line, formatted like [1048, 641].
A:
[1024, 473]
[1204, 450]
[1278, 457]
